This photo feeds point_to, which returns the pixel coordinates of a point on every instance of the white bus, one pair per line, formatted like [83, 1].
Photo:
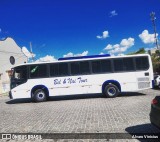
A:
[104, 74]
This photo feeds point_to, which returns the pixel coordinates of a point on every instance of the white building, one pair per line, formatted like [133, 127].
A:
[10, 55]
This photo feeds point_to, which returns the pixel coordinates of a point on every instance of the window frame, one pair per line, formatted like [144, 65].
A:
[89, 67]
[134, 67]
[20, 80]
[29, 69]
[110, 63]
[78, 62]
[114, 65]
[49, 69]
[142, 57]
[92, 66]
[68, 73]
[48, 65]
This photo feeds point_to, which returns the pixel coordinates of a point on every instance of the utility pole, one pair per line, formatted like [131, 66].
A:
[153, 18]
[31, 51]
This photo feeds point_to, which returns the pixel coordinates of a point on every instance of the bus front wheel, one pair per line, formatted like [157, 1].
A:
[111, 91]
[39, 96]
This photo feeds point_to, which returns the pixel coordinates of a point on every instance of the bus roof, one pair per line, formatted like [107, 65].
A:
[83, 58]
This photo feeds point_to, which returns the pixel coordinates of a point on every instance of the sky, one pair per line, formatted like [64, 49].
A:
[65, 28]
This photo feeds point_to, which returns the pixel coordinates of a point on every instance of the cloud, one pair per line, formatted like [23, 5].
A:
[127, 42]
[113, 13]
[105, 34]
[47, 58]
[101, 53]
[121, 47]
[117, 50]
[27, 53]
[108, 47]
[146, 37]
[70, 54]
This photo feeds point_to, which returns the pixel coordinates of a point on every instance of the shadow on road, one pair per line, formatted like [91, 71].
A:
[17, 101]
[142, 131]
[73, 97]
[90, 96]
[156, 88]
[130, 94]
[58, 98]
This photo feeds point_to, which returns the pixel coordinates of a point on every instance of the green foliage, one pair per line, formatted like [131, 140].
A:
[140, 51]
[156, 61]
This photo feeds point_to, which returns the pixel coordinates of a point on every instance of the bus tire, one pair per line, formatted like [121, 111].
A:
[111, 91]
[39, 96]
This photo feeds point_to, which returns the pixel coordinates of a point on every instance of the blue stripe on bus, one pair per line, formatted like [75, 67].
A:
[84, 57]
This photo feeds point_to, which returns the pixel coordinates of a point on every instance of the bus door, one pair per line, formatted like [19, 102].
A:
[19, 85]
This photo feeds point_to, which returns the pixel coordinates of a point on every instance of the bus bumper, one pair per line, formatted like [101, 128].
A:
[10, 95]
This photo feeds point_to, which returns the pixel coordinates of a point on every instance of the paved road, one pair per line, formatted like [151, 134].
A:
[128, 113]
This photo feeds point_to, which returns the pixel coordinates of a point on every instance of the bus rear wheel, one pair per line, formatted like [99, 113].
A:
[39, 96]
[111, 91]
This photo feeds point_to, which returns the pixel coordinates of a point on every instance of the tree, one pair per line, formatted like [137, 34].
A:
[140, 51]
[156, 61]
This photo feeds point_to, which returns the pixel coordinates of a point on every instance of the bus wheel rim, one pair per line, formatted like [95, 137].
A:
[40, 95]
[111, 91]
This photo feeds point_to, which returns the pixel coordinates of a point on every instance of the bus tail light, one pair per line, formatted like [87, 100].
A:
[154, 102]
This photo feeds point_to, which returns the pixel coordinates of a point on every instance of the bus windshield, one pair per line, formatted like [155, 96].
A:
[19, 76]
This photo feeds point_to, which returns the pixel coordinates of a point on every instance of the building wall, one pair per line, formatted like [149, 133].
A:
[8, 48]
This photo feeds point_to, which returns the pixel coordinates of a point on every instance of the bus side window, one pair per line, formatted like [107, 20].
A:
[142, 63]
[106, 66]
[53, 69]
[75, 69]
[84, 67]
[118, 65]
[96, 66]
[38, 71]
[128, 64]
[63, 69]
